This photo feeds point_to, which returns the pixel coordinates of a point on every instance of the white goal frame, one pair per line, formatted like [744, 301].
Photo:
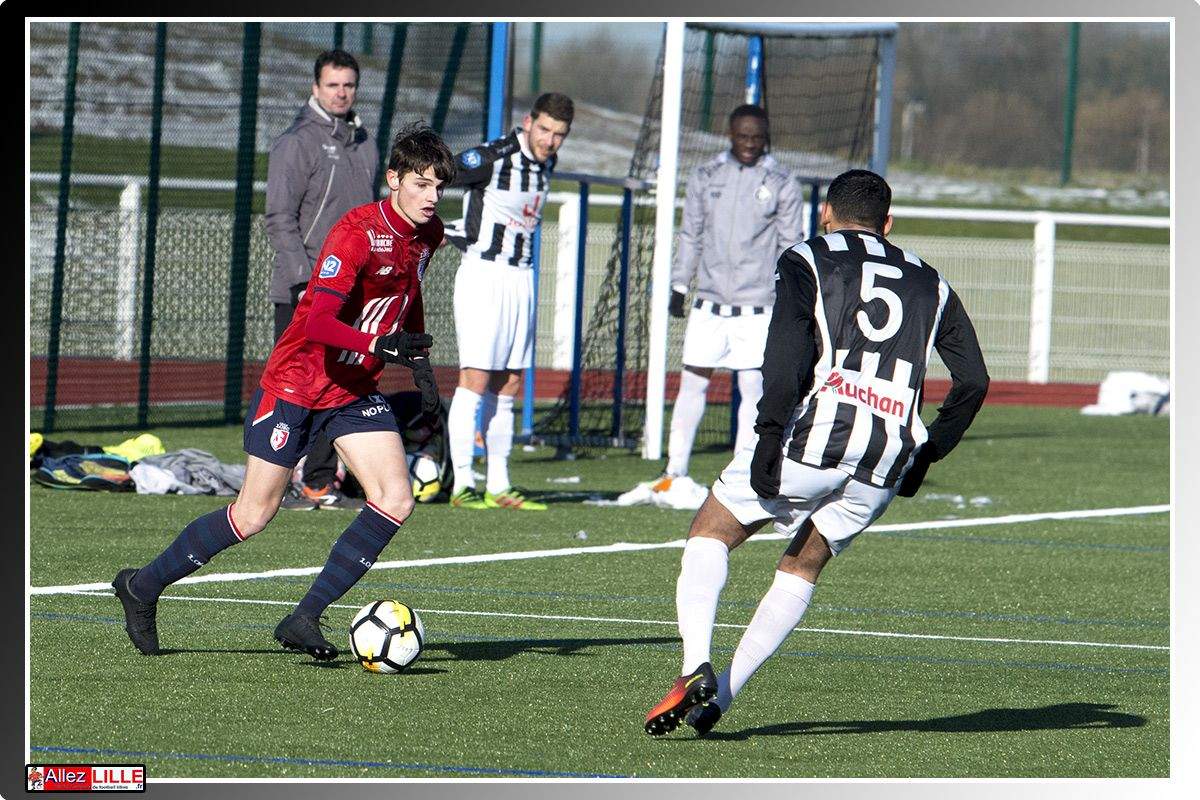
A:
[668, 180]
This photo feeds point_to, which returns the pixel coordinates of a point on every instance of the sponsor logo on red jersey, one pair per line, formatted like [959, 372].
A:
[380, 242]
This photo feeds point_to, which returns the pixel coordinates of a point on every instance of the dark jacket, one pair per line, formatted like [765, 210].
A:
[320, 168]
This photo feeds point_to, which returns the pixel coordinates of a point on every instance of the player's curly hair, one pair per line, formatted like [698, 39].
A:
[416, 148]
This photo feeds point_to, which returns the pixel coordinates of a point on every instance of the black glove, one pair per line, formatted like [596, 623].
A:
[915, 476]
[431, 400]
[402, 347]
[765, 466]
[676, 307]
[295, 290]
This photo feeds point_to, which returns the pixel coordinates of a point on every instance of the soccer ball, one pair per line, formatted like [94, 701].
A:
[386, 636]
[426, 477]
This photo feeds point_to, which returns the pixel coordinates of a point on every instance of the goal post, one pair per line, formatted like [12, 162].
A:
[866, 118]
[664, 227]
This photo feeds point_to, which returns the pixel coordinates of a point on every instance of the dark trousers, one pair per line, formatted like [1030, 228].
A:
[321, 465]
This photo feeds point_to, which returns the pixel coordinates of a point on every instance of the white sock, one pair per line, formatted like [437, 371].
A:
[689, 408]
[779, 611]
[498, 436]
[750, 384]
[704, 567]
[461, 432]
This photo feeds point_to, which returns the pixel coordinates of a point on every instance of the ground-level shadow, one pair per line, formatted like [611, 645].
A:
[1061, 716]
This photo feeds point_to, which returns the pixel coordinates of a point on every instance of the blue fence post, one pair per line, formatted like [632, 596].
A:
[577, 344]
[618, 391]
[754, 58]
[882, 144]
[530, 379]
[497, 80]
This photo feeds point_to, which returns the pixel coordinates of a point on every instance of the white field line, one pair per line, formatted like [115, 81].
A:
[671, 622]
[618, 547]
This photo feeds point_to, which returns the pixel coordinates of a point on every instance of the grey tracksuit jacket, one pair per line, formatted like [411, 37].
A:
[736, 222]
[319, 168]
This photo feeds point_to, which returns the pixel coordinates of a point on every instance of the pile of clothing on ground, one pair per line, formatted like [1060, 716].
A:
[140, 464]
[1131, 393]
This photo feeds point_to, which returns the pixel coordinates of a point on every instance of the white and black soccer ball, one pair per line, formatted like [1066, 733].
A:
[426, 477]
[386, 636]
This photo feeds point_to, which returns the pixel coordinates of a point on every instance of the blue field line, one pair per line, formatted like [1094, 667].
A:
[322, 762]
[951, 537]
[436, 637]
[1058, 666]
[738, 604]
[55, 616]
[725, 604]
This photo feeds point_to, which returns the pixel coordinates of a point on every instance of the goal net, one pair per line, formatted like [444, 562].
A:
[821, 86]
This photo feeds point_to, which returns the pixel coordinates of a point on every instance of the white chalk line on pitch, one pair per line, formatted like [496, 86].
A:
[621, 547]
[629, 621]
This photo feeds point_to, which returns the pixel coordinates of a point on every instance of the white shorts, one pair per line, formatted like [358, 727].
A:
[726, 342]
[840, 506]
[493, 315]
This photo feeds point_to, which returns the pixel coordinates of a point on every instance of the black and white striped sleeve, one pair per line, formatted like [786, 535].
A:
[958, 347]
[791, 349]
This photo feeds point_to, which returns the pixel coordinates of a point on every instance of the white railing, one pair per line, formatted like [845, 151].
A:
[1033, 288]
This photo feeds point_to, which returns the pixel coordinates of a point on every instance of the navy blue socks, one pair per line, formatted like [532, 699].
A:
[353, 554]
[201, 540]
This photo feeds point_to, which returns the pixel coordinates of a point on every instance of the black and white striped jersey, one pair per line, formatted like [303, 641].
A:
[506, 195]
[855, 321]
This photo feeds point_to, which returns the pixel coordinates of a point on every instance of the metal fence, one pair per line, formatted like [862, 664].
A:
[1110, 302]
[169, 275]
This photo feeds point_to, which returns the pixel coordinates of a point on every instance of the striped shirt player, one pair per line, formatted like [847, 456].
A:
[843, 373]
[502, 209]
[507, 182]
[854, 324]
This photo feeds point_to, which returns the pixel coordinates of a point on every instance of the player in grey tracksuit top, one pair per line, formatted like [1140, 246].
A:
[319, 168]
[742, 208]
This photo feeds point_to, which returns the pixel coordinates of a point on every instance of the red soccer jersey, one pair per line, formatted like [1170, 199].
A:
[374, 261]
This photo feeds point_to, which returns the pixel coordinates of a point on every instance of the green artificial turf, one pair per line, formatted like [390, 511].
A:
[545, 667]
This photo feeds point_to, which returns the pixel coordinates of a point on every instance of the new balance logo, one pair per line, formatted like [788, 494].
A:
[384, 270]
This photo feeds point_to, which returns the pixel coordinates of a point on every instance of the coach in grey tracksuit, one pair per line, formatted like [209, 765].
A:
[741, 210]
[319, 168]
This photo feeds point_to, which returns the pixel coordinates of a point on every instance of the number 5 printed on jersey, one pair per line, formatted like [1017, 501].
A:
[872, 270]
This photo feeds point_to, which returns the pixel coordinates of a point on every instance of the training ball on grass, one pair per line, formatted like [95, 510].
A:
[386, 636]
[426, 477]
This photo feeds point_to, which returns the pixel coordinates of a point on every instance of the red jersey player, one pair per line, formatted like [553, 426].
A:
[362, 307]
